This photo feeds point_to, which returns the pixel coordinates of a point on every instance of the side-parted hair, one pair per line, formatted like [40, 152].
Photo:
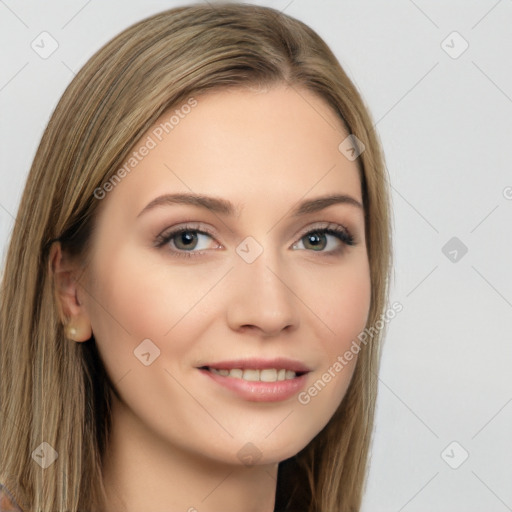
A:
[56, 391]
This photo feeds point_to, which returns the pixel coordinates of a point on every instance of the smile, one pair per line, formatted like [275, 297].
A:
[252, 375]
[258, 380]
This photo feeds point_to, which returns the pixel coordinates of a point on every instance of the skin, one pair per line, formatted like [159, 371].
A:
[176, 433]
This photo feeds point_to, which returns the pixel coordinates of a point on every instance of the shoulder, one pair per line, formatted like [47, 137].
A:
[7, 503]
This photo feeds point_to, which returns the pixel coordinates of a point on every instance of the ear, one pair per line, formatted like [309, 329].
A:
[72, 312]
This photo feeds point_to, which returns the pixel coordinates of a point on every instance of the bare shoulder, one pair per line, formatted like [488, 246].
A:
[7, 503]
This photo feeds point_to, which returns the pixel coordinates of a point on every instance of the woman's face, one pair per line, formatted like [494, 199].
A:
[253, 282]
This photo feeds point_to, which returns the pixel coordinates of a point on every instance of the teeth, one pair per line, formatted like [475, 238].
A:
[266, 375]
[252, 375]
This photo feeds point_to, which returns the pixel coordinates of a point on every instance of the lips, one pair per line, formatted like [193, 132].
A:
[260, 380]
[262, 370]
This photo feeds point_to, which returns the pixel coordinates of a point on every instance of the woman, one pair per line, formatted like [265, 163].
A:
[201, 249]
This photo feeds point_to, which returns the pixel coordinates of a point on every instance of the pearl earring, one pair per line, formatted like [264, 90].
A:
[71, 332]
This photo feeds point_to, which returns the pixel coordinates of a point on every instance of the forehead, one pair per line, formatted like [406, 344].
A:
[247, 145]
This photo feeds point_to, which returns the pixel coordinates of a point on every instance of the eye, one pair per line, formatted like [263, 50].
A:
[328, 239]
[185, 241]
[190, 241]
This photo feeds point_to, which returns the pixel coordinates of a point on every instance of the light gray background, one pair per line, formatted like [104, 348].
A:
[445, 127]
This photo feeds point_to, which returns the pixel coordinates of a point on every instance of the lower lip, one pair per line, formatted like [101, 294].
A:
[257, 391]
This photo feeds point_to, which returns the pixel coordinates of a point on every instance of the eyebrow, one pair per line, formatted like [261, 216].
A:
[222, 206]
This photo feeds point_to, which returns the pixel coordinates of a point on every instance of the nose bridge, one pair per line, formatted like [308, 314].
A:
[262, 294]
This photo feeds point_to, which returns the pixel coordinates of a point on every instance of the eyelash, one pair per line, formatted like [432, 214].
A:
[340, 232]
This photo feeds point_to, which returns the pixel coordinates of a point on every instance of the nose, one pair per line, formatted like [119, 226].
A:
[261, 297]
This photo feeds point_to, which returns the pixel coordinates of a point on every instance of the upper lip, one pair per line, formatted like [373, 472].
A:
[259, 364]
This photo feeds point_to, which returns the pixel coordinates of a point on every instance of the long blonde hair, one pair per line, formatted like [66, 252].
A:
[55, 391]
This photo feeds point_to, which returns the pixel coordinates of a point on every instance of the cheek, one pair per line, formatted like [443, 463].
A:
[343, 305]
[132, 301]
[341, 308]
